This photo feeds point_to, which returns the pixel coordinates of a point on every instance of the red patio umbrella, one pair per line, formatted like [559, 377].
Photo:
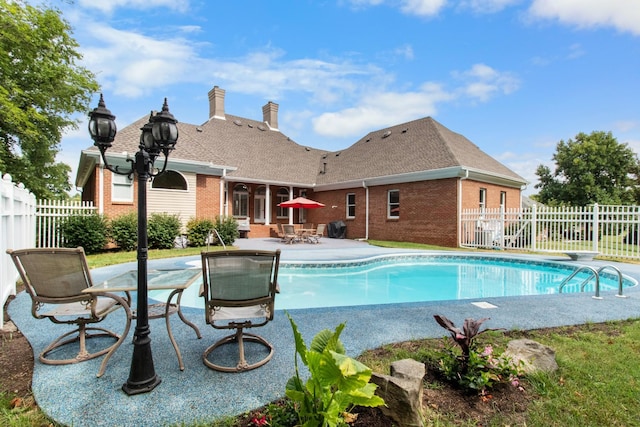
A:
[301, 202]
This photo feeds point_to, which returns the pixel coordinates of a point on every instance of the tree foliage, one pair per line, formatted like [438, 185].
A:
[41, 87]
[593, 168]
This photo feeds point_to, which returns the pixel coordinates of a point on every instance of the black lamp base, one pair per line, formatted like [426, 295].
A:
[138, 388]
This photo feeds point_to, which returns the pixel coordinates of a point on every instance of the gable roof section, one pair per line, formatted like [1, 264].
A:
[410, 149]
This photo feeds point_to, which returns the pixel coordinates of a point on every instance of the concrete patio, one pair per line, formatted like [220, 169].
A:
[72, 395]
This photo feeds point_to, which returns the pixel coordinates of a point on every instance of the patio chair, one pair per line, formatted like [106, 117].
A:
[239, 289]
[315, 237]
[280, 231]
[290, 234]
[55, 279]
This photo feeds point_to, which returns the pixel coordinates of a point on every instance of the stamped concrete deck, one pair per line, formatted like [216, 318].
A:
[72, 395]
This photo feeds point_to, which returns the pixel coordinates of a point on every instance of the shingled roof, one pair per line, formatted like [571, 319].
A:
[252, 151]
[416, 146]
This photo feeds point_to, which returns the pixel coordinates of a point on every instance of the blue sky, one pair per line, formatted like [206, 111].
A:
[513, 76]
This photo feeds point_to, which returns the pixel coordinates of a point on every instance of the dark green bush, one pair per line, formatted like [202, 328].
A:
[163, 229]
[227, 228]
[88, 231]
[124, 231]
[198, 230]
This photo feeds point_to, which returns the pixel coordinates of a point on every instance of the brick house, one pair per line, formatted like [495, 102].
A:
[236, 166]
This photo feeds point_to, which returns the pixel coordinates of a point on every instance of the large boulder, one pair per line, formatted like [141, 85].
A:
[535, 356]
[402, 392]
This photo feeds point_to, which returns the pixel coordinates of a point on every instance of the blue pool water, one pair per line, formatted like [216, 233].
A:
[417, 278]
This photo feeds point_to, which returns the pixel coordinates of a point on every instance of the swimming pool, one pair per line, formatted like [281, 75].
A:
[393, 279]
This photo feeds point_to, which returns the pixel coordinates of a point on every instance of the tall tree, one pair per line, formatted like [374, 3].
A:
[41, 87]
[593, 168]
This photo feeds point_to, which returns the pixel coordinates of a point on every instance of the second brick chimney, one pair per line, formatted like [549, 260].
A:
[216, 103]
[270, 115]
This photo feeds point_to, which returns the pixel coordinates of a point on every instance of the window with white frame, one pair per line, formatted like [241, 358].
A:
[393, 204]
[121, 188]
[482, 198]
[282, 196]
[351, 205]
[241, 200]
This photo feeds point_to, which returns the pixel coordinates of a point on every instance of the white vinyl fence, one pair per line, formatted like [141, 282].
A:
[50, 215]
[608, 230]
[17, 230]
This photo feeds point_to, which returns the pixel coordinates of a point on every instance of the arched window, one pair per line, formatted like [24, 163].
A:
[282, 196]
[170, 180]
[241, 200]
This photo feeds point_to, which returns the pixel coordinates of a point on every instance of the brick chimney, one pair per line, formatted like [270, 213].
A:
[216, 103]
[270, 115]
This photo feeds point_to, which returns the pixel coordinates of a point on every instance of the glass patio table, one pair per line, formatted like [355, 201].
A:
[178, 280]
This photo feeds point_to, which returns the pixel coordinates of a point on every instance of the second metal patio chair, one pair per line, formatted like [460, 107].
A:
[239, 289]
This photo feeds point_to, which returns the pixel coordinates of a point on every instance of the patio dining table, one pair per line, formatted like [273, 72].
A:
[176, 280]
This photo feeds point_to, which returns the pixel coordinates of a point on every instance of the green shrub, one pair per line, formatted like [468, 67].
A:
[198, 230]
[163, 229]
[88, 231]
[124, 231]
[227, 228]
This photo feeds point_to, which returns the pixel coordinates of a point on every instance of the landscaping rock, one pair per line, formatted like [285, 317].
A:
[402, 392]
[536, 357]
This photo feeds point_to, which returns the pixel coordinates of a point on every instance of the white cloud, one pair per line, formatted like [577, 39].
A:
[482, 82]
[488, 6]
[378, 110]
[623, 15]
[422, 7]
[133, 64]
[110, 5]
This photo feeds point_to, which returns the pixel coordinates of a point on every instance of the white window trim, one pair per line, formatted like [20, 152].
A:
[121, 182]
[348, 205]
[389, 216]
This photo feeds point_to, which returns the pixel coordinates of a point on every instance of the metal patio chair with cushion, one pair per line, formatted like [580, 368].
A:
[315, 237]
[55, 279]
[239, 289]
[290, 234]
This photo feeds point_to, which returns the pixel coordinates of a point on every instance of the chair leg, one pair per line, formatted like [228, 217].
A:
[239, 337]
[77, 335]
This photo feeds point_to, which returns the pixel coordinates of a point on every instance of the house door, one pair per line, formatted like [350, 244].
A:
[259, 206]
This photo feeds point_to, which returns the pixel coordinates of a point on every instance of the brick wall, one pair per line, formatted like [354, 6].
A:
[207, 196]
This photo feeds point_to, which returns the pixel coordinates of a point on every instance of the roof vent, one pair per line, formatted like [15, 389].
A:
[386, 134]
[338, 153]
[237, 122]
[367, 140]
[261, 127]
[199, 129]
[405, 130]
[324, 156]
[307, 149]
[250, 125]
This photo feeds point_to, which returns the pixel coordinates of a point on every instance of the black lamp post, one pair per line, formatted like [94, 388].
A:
[159, 135]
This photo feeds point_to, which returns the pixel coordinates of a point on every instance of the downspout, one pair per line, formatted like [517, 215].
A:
[223, 200]
[459, 227]
[366, 210]
[267, 205]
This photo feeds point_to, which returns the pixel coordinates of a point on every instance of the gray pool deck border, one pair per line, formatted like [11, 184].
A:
[73, 396]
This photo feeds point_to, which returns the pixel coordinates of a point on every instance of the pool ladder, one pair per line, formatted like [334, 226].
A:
[594, 273]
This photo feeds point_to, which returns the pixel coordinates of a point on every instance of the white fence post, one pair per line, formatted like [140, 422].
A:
[17, 231]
